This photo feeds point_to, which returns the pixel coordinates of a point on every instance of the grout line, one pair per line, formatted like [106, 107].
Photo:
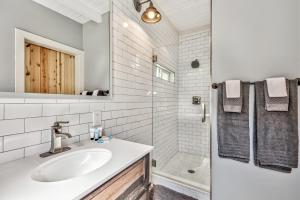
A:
[2, 144]
[3, 111]
[42, 109]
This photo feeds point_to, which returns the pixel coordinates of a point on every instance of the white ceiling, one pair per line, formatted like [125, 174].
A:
[80, 11]
[185, 14]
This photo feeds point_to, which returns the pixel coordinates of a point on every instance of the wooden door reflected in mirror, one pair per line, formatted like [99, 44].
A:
[48, 71]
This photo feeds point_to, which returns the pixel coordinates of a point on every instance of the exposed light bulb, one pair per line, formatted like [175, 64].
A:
[125, 24]
[151, 15]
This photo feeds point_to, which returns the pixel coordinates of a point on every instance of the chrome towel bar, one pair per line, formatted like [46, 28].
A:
[215, 85]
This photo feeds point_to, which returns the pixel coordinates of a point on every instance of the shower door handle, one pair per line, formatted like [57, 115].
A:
[204, 112]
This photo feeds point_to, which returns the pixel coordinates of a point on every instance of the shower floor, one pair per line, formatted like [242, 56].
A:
[177, 169]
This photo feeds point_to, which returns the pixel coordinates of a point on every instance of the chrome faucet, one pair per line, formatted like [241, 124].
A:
[56, 132]
[56, 136]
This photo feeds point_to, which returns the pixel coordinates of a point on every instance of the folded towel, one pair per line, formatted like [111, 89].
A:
[233, 89]
[276, 133]
[232, 104]
[95, 93]
[233, 128]
[276, 103]
[277, 87]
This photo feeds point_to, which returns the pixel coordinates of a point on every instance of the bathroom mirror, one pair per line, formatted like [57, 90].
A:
[56, 47]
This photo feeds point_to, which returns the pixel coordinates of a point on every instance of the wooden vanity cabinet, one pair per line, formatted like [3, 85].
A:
[130, 184]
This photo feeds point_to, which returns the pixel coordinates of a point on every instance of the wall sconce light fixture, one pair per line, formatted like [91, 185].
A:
[151, 14]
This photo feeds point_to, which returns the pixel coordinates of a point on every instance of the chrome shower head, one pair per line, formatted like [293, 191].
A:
[195, 64]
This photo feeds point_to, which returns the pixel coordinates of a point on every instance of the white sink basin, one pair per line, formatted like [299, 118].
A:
[71, 165]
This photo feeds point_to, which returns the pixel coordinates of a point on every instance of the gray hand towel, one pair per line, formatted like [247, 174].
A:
[276, 103]
[233, 128]
[232, 104]
[276, 133]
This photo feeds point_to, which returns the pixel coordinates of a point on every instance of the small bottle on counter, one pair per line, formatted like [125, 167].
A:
[100, 132]
[92, 133]
[97, 134]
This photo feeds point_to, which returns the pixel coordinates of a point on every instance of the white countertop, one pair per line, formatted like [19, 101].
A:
[16, 182]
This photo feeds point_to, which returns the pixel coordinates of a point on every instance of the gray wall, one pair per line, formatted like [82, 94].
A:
[298, 17]
[31, 17]
[97, 59]
[252, 40]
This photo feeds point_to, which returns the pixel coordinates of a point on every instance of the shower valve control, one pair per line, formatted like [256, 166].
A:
[196, 100]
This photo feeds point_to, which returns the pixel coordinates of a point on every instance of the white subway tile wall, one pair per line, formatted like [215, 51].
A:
[25, 129]
[165, 129]
[79, 108]
[39, 123]
[12, 142]
[33, 150]
[193, 135]
[12, 155]
[137, 42]
[86, 118]
[14, 111]
[1, 144]
[9, 127]
[72, 119]
[25, 123]
[46, 136]
[1, 111]
[55, 109]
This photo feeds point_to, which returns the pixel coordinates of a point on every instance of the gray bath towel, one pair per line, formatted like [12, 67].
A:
[276, 103]
[233, 128]
[232, 104]
[276, 133]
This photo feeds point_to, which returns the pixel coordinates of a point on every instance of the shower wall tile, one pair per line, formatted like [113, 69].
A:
[192, 133]
[165, 121]
[127, 116]
[135, 44]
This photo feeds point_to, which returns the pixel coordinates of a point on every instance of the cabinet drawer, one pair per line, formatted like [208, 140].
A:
[115, 187]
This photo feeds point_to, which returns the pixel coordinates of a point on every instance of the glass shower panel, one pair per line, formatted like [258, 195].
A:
[181, 107]
[165, 105]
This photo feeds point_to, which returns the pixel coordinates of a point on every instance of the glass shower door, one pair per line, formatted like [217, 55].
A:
[181, 107]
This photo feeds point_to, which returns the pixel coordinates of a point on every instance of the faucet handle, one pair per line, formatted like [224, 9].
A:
[62, 122]
[58, 123]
